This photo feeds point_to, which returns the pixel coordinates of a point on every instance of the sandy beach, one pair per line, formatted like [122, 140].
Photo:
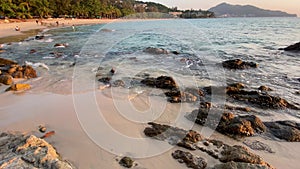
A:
[8, 28]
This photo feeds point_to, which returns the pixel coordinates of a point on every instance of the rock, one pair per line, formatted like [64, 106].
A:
[287, 130]
[294, 48]
[39, 37]
[175, 52]
[32, 51]
[4, 62]
[191, 160]
[264, 88]
[21, 151]
[12, 70]
[19, 87]
[258, 99]
[238, 64]
[61, 45]
[241, 154]
[162, 82]
[245, 109]
[214, 148]
[42, 128]
[176, 96]
[105, 80]
[227, 123]
[239, 165]
[6, 79]
[118, 83]
[297, 92]
[49, 134]
[126, 162]
[29, 72]
[257, 145]
[156, 51]
[18, 74]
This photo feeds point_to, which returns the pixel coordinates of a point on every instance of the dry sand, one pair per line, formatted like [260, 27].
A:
[8, 29]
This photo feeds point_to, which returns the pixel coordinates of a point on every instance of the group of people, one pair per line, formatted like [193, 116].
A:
[17, 28]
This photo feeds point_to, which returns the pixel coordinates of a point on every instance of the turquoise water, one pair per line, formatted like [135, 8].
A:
[203, 43]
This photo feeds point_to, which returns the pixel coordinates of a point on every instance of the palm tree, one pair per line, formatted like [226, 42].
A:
[23, 11]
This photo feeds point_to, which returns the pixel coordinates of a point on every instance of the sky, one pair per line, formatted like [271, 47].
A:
[290, 6]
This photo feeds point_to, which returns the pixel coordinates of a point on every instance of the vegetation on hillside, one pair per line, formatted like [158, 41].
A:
[26, 9]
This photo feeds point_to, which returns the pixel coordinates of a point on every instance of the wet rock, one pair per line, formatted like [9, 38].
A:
[191, 160]
[245, 109]
[264, 88]
[6, 79]
[4, 62]
[257, 145]
[29, 72]
[176, 96]
[238, 64]
[42, 128]
[49, 134]
[156, 51]
[32, 51]
[294, 48]
[19, 87]
[258, 99]
[21, 151]
[227, 123]
[12, 70]
[239, 165]
[18, 74]
[118, 83]
[105, 80]
[126, 162]
[175, 52]
[237, 85]
[39, 37]
[241, 154]
[287, 130]
[162, 82]
[61, 45]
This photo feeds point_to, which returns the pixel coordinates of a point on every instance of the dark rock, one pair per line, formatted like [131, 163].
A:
[118, 83]
[4, 62]
[6, 79]
[156, 51]
[261, 100]
[176, 96]
[175, 52]
[105, 80]
[49, 134]
[245, 109]
[237, 85]
[18, 74]
[39, 37]
[162, 82]
[257, 145]
[126, 162]
[264, 88]
[191, 161]
[227, 123]
[61, 45]
[239, 165]
[238, 64]
[287, 130]
[42, 128]
[241, 154]
[32, 51]
[29, 72]
[295, 47]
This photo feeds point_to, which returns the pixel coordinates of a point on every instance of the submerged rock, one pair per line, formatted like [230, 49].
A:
[162, 82]
[156, 51]
[257, 145]
[21, 151]
[295, 47]
[126, 162]
[287, 130]
[238, 64]
[191, 160]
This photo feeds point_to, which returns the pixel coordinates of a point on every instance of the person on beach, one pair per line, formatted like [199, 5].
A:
[17, 28]
[37, 22]
[73, 27]
[57, 23]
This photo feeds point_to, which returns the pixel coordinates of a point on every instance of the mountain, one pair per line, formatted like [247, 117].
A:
[227, 10]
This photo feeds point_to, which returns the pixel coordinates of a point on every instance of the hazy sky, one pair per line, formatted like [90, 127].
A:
[290, 6]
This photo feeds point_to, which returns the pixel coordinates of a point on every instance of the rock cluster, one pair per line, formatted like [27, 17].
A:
[238, 64]
[21, 151]
[126, 162]
[287, 130]
[238, 156]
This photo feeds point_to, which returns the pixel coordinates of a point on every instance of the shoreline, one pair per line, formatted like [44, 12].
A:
[29, 28]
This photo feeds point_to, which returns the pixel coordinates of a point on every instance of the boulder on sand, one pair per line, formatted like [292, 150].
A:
[6, 79]
[19, 87]
[238, 64]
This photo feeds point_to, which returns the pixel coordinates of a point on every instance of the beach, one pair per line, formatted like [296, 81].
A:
[101, 86]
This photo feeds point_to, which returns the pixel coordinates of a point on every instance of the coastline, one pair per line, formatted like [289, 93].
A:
[30, 27]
